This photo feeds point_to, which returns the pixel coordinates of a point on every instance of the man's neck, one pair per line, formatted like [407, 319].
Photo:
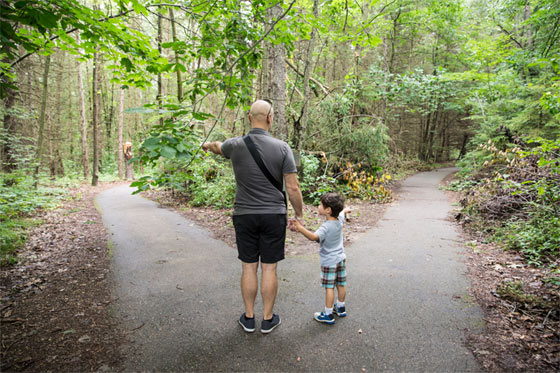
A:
[260, 126]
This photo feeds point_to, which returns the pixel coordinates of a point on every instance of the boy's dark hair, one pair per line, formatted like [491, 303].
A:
[334, 201]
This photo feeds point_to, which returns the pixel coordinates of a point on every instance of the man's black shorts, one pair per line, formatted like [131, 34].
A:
[260, 236]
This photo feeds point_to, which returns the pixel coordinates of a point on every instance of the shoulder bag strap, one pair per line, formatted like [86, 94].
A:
[256, 156]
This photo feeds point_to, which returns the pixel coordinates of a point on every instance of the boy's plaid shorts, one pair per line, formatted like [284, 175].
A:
[333, 275]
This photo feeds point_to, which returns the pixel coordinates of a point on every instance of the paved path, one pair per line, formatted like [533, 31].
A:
[179, 294]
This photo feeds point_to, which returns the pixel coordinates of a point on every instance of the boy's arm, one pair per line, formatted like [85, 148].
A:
[307, 233]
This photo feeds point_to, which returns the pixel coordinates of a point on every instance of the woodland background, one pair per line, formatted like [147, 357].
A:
[362, 90]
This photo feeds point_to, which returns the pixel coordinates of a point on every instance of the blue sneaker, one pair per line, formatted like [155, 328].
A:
[268, 325]
[324, 318]
[339, 311]
[247, 324]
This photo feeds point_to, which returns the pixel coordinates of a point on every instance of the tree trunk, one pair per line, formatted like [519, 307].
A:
[306, 76]
[174, 36]
[120, 141]
[159, 97]
[42, 116]
[7, 162]
[277, 88]
[96, 117]
[83, 127]
[57, 133]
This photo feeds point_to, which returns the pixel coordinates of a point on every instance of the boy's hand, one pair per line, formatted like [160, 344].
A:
[294, 225]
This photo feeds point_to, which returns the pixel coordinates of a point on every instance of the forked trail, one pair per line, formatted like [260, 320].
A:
[407, 307]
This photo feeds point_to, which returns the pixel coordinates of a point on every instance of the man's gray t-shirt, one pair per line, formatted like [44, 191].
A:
[331, 251]
[254, 193]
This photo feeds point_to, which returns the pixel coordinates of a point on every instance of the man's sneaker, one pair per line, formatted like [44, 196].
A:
[247, 324]
[268, 325]
[339, 311]
[324, 318]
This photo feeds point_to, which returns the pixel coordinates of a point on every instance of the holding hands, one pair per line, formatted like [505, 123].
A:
[295, 225]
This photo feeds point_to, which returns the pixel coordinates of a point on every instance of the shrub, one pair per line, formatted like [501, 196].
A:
[315, 182]
[517, 198]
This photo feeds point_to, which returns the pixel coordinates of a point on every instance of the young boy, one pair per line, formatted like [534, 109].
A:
[331, 252]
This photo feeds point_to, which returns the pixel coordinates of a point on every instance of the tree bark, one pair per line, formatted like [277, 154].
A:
[83, 127]
[277, 80]
[306, 76]
[96, 117]
[174, 36]
[42, 116]
[57, 133]
[159, 97]
[120, 140]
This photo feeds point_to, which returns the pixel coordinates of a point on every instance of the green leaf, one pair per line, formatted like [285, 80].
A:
[201, 116]
[168, 152]
[127, 64]
[47, 19]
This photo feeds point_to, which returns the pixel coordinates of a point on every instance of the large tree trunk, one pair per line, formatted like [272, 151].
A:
[96, 117]
[120, 145]
[277, 79]
[41, 134]
[83, 127]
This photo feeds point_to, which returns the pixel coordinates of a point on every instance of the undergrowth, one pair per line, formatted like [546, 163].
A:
[513, 197]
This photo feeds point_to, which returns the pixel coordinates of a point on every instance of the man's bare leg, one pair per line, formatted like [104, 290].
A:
[269, 288]
[249, 287]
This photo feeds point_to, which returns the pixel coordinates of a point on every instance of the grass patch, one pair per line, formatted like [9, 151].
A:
[13, 234]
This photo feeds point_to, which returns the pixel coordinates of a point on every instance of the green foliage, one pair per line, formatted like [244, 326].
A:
[19, 200]
[38, 27]
[206, 182]
[516, 197]
[210, 182]
[315, 181]
[18, 197]
[342, 136]
[12, 237]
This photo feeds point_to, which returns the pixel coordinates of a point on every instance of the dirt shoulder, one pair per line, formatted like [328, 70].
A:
[56, 303]
[521, 306]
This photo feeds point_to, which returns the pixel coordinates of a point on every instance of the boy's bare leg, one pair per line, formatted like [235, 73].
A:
[269, 288]
[249, 287]
[329, 297]
[341, 291]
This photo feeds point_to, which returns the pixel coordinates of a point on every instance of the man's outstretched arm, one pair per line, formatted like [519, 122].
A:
[214, 146]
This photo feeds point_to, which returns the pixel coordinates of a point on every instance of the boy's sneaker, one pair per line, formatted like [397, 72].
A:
[339, 311]
[247, 324]
[324, 318]
[268, 325]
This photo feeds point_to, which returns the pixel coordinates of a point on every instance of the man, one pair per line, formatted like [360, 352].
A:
[259, 216]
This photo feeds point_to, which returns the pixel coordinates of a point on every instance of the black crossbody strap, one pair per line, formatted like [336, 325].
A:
[256, 156]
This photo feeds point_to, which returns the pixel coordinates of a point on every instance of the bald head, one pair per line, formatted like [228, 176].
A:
[260, 114]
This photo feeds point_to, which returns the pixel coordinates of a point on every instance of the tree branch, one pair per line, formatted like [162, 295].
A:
[325, 90]
[510, 35]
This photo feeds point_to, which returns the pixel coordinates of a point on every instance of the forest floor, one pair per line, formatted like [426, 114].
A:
[56, 304]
